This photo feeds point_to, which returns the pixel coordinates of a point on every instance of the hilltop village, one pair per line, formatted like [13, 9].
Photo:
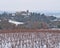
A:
[28, 20]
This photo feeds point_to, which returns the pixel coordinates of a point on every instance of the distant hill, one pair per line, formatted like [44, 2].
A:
[1, 12]
[30, 19]
[56, 14]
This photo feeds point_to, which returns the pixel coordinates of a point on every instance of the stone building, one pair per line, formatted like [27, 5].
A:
[43, 38]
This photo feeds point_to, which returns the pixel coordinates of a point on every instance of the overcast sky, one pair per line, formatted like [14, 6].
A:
[32, 5]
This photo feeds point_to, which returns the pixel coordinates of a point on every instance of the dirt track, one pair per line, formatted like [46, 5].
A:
[28, 30]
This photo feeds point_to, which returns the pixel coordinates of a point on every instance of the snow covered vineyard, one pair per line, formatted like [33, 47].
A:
[23, 38]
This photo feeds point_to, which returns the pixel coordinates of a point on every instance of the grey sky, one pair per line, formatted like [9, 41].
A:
[17, 5]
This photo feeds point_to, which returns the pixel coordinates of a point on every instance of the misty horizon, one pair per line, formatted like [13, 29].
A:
[51, 13]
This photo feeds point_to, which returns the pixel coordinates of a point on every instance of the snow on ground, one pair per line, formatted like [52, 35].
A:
[15, 22]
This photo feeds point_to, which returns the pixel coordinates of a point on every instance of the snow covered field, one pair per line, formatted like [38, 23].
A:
[30, 40]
